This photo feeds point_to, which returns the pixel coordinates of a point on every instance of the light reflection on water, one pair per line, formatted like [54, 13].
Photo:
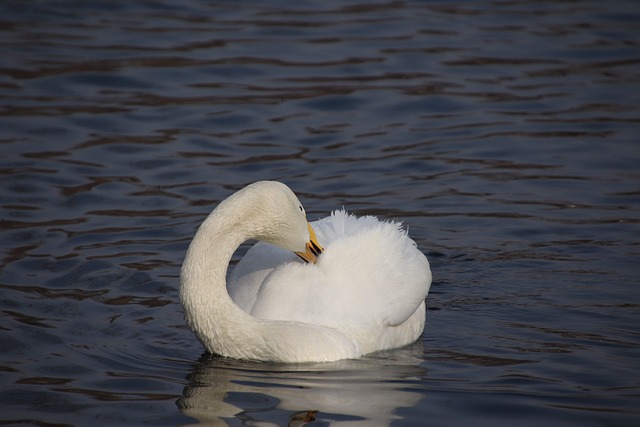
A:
[360, 392]
[503, 134]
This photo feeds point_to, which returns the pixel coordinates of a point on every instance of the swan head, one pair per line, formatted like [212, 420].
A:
[276, 216]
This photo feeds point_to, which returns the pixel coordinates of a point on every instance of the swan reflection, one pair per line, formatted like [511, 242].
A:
[366, 391]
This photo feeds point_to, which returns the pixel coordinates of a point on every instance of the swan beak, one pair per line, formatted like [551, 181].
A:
[312, 248]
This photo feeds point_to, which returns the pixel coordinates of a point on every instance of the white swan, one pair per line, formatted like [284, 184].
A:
[366, 292]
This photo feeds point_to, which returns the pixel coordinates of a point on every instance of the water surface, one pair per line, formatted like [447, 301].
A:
[504, 135]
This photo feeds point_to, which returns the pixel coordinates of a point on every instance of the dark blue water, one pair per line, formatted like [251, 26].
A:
[504, 134]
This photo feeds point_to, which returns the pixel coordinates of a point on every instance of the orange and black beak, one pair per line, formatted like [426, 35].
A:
[312, 248]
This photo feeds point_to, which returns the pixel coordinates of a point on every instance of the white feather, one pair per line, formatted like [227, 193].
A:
[365, 293]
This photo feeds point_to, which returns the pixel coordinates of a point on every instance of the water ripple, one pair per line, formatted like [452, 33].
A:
[503, 134]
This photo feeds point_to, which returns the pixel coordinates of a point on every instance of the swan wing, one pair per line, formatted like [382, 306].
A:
[245, 280]
[371, 273]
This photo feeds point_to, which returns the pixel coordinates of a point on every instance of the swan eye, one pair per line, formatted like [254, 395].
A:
[301, 208]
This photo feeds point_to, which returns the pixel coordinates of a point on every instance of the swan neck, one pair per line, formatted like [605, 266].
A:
[221, 325]
[217, 321]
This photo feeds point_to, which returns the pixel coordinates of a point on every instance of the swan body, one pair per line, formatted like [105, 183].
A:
[365, 292]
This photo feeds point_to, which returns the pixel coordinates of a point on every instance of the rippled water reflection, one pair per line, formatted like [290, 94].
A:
[504, 134]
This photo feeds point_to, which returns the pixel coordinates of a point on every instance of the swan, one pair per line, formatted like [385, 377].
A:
[362, 288]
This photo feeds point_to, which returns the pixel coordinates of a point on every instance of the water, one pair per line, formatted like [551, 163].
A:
[504, 134]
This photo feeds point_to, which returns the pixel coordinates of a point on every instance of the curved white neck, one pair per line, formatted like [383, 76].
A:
[217, 321]
[222, 326]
